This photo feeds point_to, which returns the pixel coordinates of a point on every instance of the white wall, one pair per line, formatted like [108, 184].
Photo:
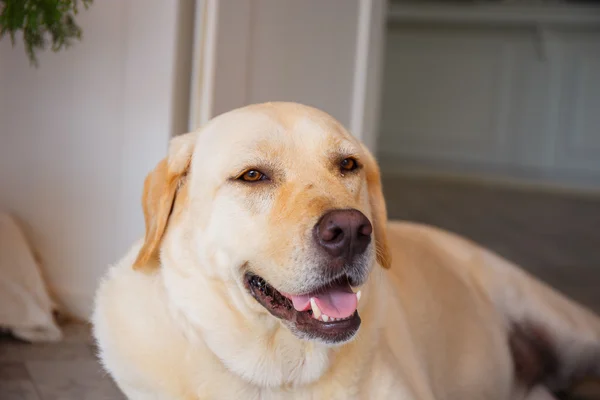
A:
[79, 134]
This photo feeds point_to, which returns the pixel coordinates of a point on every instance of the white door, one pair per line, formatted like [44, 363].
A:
[322, 53]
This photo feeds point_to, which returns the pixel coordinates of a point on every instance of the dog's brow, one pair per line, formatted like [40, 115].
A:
[344, 150]
[263, 164]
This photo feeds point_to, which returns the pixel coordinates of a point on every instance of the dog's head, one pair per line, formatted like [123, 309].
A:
[281, 202]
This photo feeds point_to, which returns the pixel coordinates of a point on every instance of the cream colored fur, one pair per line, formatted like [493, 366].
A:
[174, 321]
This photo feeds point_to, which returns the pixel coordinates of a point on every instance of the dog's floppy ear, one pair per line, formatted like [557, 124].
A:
[160, 188]
[378, 209]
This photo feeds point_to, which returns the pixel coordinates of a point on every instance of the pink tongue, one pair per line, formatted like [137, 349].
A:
[337, 302]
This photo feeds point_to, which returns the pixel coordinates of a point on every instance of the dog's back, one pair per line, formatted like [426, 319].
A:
[474, 315]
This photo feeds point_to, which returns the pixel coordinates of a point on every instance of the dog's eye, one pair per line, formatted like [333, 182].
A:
[348, 164]
[252, 175]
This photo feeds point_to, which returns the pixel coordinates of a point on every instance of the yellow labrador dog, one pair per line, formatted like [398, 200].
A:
[269, 271]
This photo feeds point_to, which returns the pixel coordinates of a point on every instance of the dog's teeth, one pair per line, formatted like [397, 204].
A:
[358, 294]
[325, 318]
[315, 308]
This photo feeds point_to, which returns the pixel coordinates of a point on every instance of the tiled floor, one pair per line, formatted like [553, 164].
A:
[555, 237]
[63, 371]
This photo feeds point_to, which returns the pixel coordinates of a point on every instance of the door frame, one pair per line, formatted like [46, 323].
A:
[222, 37]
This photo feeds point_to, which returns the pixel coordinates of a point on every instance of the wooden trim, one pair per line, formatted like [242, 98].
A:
[204, 60]
[357, 113]
[503, 177]
[368, 71]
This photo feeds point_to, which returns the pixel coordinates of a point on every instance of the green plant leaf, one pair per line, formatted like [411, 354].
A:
[41, 22]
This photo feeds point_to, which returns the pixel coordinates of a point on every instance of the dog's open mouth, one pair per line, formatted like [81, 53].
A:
[328, 313]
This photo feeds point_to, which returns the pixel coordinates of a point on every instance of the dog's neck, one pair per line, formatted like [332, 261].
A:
[247, 339]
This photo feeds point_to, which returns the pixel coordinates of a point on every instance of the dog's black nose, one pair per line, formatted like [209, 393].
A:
[343, 233]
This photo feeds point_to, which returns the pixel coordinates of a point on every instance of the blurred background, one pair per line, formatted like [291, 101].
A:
[484, 116]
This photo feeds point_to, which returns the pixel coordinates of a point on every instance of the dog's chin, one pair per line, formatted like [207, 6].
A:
[306, 314]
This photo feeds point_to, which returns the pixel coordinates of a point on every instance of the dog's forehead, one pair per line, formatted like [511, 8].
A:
[275, 127]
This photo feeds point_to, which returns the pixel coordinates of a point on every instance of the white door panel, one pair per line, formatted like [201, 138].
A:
[321, 53]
